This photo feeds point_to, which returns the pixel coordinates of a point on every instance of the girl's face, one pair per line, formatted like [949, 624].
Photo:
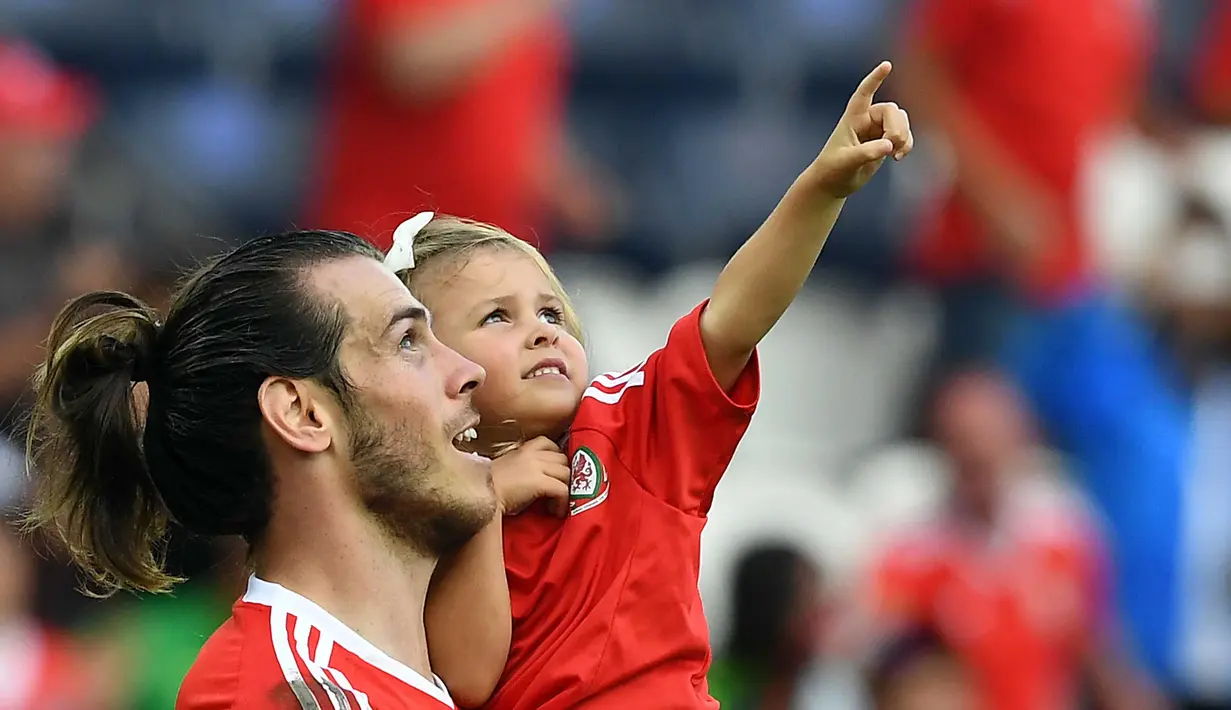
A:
[496, 307]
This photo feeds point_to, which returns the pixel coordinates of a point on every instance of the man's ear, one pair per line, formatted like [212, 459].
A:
[294, 410]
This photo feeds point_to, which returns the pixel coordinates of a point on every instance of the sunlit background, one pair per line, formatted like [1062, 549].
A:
[889, 535]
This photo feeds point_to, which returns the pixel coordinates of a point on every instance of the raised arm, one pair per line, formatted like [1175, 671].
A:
[768, 271]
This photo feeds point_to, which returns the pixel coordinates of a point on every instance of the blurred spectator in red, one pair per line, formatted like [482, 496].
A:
[1212, 79]
[917, 670]
[776, 631]
[1020, 90]
[43, 260]
[452, 105]
[1011, 574]
[1023, 91]
[42, 669]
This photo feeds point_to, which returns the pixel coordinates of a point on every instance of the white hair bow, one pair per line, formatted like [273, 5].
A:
[401, 255]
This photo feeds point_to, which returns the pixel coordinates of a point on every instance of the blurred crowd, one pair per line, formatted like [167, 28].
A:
[993, 456]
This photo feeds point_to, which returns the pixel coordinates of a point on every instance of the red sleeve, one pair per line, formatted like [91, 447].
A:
[676, 428]
[945, 25]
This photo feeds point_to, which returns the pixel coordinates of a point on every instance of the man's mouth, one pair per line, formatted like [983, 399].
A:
[465, 440]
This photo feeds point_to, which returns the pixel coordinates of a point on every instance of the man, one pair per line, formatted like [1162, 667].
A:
[1011, 574]
[1022, 92]
[296, 396]
[455, 106]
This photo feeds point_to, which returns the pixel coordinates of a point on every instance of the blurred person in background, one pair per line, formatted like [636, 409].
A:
[776, 631]
[917, 670]
[43, 669]
[1023, 92]
[1190, 294]
[1012, 573]
[44, 259]
[455, 106]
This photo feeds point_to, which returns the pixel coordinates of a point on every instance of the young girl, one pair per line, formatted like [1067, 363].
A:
[604, 607]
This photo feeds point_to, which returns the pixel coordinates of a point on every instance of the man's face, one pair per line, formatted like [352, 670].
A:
[412, 402]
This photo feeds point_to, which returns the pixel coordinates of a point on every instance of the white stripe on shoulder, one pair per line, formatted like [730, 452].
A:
[337, 696]
[284, 601]
[286, 660]
[620, 384]
[360, 696]
[615, 379]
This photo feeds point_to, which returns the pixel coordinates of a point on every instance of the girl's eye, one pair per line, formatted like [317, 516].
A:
[496, 316]
[552, 316]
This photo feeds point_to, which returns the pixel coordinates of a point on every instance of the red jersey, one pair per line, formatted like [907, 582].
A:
[475, 151]
[606, 612]
[1044, 77]
[280, 651]
[1021, 604]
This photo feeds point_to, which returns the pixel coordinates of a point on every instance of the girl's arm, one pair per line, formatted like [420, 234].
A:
[468, 618]
[768, 271]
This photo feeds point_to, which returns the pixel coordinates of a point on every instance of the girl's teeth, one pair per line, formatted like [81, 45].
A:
[545, 371]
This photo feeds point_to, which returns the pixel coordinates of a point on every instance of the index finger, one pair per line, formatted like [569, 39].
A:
[863, 96]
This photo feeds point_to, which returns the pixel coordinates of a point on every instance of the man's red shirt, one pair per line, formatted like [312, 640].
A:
[280, 651]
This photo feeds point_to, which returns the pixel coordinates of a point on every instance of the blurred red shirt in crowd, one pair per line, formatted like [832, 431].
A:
[1012, 573]
[1020, 606]
[451, 105]
[1212, 80]
[43, 670]
[1020, 89]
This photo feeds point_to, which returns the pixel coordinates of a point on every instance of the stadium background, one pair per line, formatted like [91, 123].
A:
[700, 112]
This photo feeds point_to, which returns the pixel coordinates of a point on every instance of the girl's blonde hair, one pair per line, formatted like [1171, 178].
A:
[448, 239]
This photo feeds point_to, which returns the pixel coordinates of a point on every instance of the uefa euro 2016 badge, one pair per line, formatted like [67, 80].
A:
[588, 484]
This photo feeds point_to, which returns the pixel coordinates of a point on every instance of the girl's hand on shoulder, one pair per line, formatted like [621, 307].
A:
[536, 469]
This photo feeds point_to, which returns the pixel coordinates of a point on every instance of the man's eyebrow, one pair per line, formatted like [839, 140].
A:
[408, 313]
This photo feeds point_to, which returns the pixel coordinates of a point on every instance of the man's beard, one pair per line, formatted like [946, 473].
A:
[398, 474]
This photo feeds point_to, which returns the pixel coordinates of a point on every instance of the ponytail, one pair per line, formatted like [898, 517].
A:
[94, 491]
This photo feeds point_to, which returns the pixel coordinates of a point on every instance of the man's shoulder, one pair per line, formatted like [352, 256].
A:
[237, 657]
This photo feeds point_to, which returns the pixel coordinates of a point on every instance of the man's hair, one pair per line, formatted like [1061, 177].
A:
[110, 473]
